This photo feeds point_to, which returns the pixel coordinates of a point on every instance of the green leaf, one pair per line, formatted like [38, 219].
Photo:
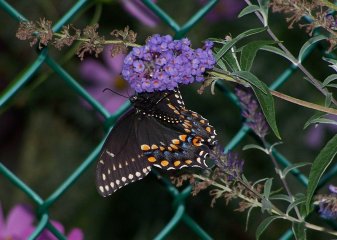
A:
[267, 105]
[264, 97]
[319, 166]
[248, 215]
[330, 60]
[279, 52]
[331, 85]
[249, 51]
[264, 7]
[293, 166]
[299, 230]
[247, 10]
[283, 197]
[309, 44]
[325, 121]
[298, 201]
[231, 60]
[266, 205]
[267, 187]
[254, 146]
[222, 65]
[329, 79]
[264, 224]
[258, 181]
[313, 119]
[229, 44]
[252, 80]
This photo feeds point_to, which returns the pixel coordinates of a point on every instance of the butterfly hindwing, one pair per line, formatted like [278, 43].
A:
[170, 148]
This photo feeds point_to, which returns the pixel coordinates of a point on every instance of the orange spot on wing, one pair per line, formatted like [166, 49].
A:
[196, 141]
[183, 137]
[164, 163]
[151, 159]
[177, 163]
[145, 147]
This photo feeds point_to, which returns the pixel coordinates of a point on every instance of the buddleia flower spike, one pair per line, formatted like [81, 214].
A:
[158, 130]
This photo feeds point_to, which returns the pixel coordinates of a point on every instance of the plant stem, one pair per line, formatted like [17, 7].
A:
[227, 77]
[310, 78]
[278, 171]
[274, 210]
[106, 42]
[304, 103]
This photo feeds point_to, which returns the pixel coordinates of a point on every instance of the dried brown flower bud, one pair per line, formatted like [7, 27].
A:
[68, 35]
[94, 44]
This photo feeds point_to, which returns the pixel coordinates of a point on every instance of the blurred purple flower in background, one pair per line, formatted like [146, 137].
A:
[224, 10]
[19, 225]
[74, 234]
[316, 134]
[137, 9]
[106, 74]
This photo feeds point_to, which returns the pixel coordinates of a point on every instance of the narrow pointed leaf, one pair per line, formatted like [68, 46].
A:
[329, 79]
[248, 215]
[264, 224]
[267, 188]
[313, 119]
[280, 52]
[247, 10]
[249, 52]
[228, 44]
[299, 230]
[308, 44]
[319, 166]
[254, 146]
[292, 167]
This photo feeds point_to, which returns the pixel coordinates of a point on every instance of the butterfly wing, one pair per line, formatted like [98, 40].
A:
[158, 130]
[120, 160]
[173, 137]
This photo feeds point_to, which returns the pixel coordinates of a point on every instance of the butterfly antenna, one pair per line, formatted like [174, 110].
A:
[108, 89]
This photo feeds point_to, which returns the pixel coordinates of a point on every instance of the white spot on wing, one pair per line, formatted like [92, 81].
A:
[101, 189]
[110, 153]
[124, 179]
[107, 187]
[103, 176]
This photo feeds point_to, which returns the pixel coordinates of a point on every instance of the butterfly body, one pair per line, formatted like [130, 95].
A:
[157, 131]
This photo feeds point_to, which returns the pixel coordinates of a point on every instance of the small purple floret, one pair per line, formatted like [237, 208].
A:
[163, 63]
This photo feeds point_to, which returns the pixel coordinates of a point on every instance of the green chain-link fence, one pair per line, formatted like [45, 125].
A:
[180, 214]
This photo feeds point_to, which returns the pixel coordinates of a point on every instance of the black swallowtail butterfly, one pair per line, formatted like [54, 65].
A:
[156, 131]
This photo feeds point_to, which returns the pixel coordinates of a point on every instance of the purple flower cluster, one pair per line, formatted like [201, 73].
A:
[251, 111]
[163, 63]
[228, 163]
[328, 204]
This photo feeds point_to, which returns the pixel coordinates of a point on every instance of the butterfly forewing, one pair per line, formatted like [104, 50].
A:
[119, 161]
